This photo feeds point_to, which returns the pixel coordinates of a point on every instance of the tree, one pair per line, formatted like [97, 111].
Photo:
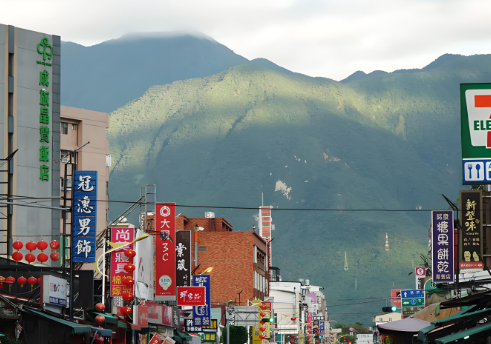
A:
[238, 335]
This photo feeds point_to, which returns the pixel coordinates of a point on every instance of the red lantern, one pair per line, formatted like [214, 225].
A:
[130, 253]
[22, 280]
[128, 281]
[2, 279]
[262, 314]
[126, 310]
[129, 267]
[264, 307]
[30, 258]
[32, 281]
[54, 256]
[40, 280]
[17, 245]
[262, 336]
[293, 318]
[10, 280]
[308, 336]
[128, 296]
[54, 245]
[31, 246]
[262, 329]
[100, 307]
[308, 340]
[99, 340]
[292, 341]
[309, 326]
[42, 257]
[292, 336]
[17, 256]
[100, 319]
[262, 322]
[42, 245]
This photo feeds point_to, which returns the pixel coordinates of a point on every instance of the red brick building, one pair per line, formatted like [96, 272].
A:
[238, 259]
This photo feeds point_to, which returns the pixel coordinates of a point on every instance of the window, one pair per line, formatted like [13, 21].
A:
[390, 319]
[201, 249]
[64, 128]
[74, 127]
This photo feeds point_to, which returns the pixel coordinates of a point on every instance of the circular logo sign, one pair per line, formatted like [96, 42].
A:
[165, 211]
[420, 271]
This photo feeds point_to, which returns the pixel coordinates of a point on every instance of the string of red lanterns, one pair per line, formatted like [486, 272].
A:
[32, 246]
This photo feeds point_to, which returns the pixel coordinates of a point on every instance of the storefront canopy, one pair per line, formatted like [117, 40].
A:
[102, 331]
[467, 334]
[76, 328]
[405, 325]
[109, 318]
[181, 337]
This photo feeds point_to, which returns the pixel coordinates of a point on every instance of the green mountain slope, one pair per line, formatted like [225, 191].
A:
[386, 141]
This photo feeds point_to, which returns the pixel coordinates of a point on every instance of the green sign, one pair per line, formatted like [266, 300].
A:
[475, 126]
[413, 302]
[46, 50]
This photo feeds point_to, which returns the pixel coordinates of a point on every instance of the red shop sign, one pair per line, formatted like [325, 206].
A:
[165, 252]
[191, 296]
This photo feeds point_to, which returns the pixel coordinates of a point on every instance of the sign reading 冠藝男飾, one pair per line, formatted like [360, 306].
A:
[475, 103]
[46, 52]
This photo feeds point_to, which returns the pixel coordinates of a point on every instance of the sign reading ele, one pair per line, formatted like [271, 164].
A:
[475, 104]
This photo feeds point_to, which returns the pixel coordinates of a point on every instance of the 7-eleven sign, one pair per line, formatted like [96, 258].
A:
[475, 125]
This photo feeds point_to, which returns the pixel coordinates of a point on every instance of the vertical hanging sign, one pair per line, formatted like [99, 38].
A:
[84, 216]
[118, 260]
[470, 246]
[442, 246]
[183, 258]
[202, 314]
[165, 252]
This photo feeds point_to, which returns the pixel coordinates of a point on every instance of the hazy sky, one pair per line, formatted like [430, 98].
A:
[329, 38]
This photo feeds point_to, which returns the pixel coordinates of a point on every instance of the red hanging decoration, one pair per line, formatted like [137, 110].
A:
[31, 246]
[32, 281]
[309, 326]
[128, 281]
[17, 256]
[54, 256]
[42, 257]
[100, 319]
[2, 279]
[129, 267]
[293, 318]
[262, 329]
[264, 307]
[308, 336]
[22, 280]
[292, 336]
[54, 245]
[30, 258]
[126, 310]
[42, 245]
[10, 280]
[262, 314]
[17, 245]
[99, 340]
[292, 341]
[262, 336]
[128, 296]
[308, 340]
[40, 280]
[130, 253]
[100, 307]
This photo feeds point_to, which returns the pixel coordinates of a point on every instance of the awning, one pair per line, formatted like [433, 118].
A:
[404, 325]
[102, 331]
[76, 328]
[128, 324]
[181, 337]
[109, 318]
[462, 334]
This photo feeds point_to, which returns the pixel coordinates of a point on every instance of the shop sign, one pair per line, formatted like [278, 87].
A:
[156, 339]
[189, 326]
[46, 51]
[191, 296]
[322, 328]
[202, 314]
[165, 252]
[420, 273]
[119, 260]
[155, 312]
[442, 246]
[470, 245]
[84, 216]
[395, 295]
[475, 126]
[309, 317]
[166, 315]
[54, 291]
[183, 258]
[169, 340]
[140, 316]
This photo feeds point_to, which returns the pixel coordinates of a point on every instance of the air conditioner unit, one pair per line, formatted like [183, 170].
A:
[65, 159]
[108, 161]
[210, 215]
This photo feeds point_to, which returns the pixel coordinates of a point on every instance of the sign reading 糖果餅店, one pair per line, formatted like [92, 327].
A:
[470, 238]
[442, 246]
[183, 258]
[165, 252]
[475, 126]
[118, 260]
[46, 51]
[84, 216]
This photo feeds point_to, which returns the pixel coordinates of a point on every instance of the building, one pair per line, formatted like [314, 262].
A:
[239, 259]
[77, 128]
[287, 300]
[30, 127]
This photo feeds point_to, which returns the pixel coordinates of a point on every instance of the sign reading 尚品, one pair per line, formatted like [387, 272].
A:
[165, 252]
[118, 260]
[191, 296]
[471, 236]
[475, 104]
[442, 246]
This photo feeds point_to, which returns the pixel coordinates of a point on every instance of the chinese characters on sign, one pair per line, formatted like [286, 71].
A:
[442, 246]
[471, 234]
[45, 49]
[412, 301]
[165, 252]
[84, 216]
[202, 314]
[119, 260]
[183, 258]
[191, 296]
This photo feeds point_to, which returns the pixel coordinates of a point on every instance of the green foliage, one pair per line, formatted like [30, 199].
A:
[384, 141]
[238, 335]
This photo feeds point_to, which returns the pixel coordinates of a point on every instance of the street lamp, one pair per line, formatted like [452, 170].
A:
[196, 229]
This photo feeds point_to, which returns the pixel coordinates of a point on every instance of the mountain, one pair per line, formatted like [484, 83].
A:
[386, 141]
[108, 75]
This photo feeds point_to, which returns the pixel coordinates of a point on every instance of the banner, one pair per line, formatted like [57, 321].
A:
[470, 246]
[84, 216]
[140, 316]
[144, 268]
[165, 252]
[183, 258]
[119, 260]
[202, 314]
[442, 246]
